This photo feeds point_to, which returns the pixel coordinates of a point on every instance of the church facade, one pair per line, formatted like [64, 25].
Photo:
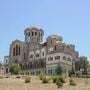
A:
[37, 57]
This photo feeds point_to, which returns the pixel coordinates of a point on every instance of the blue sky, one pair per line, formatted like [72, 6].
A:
[68, 18]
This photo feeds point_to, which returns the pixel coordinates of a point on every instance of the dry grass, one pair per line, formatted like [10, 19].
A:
[14, 83]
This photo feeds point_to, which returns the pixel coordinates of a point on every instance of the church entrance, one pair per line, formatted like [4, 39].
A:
[7, 71]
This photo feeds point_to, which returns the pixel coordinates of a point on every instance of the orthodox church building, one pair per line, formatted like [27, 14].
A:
[37, 57]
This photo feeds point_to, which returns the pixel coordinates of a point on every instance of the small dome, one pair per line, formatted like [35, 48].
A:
[60, 38]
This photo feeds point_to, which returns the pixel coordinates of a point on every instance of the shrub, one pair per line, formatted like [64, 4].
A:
[59, 70]
[78, 75]
[41, 77]
[7, 76]
[15, 69]
[27, 79]
[59, 83]
[84, 76]
[54, 79]
[18, 77]
[58, 77]
[23, 76]
[62, 79]
[45, 80]
[72, 83]
[1, 77]
[87, 76]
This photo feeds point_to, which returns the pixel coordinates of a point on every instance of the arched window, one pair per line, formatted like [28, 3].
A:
[2, 68]
[51, 41]
[41, 37]
[31, 56]
[64, 57]
[16, 61]
[49, 72]
[6, 61]
[19, 50]
[32, 33]
[63, 47]
[57, 57]
[35, 33]
[55, 47]
[14, 51]
[50, 59]
[42, 53]
[29, 34]
[69, 59]
[37, 55]
[24, 55]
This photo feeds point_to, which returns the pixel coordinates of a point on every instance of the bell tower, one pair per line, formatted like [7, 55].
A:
[33, 35]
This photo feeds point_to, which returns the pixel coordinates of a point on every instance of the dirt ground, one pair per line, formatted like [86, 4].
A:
[12, 83]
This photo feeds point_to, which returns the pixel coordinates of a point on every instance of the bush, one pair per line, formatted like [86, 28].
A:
[15, 69]
[7, 76]
[18, 77]
[62, 79]
[45, 80]
[59, 70]
[72, 83]
[23, 76]
[87, 76]
[84, 76]
[27, 79]
[59, 83]
[41, 77]
[1, 77]
[54, 79]
[58, 77]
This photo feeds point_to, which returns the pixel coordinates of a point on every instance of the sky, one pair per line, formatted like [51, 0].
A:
[67, 18]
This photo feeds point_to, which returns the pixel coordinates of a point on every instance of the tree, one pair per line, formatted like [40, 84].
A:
[15, 69]
[59, 70]
[84, 64]
[72, 72]
[77, 65]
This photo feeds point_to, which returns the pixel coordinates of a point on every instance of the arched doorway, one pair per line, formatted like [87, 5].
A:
[16, 61]
[7, 70]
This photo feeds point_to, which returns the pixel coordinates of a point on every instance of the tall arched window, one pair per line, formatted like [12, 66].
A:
[42, 53]
[55, 47]
[51, 41]
[19, 50]
[41, 37]
[31, 56]
[29, 34]
[37, 55]
[32, 33]
[64, 57]
[35, 33]
[16, 50]
[24, 55]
